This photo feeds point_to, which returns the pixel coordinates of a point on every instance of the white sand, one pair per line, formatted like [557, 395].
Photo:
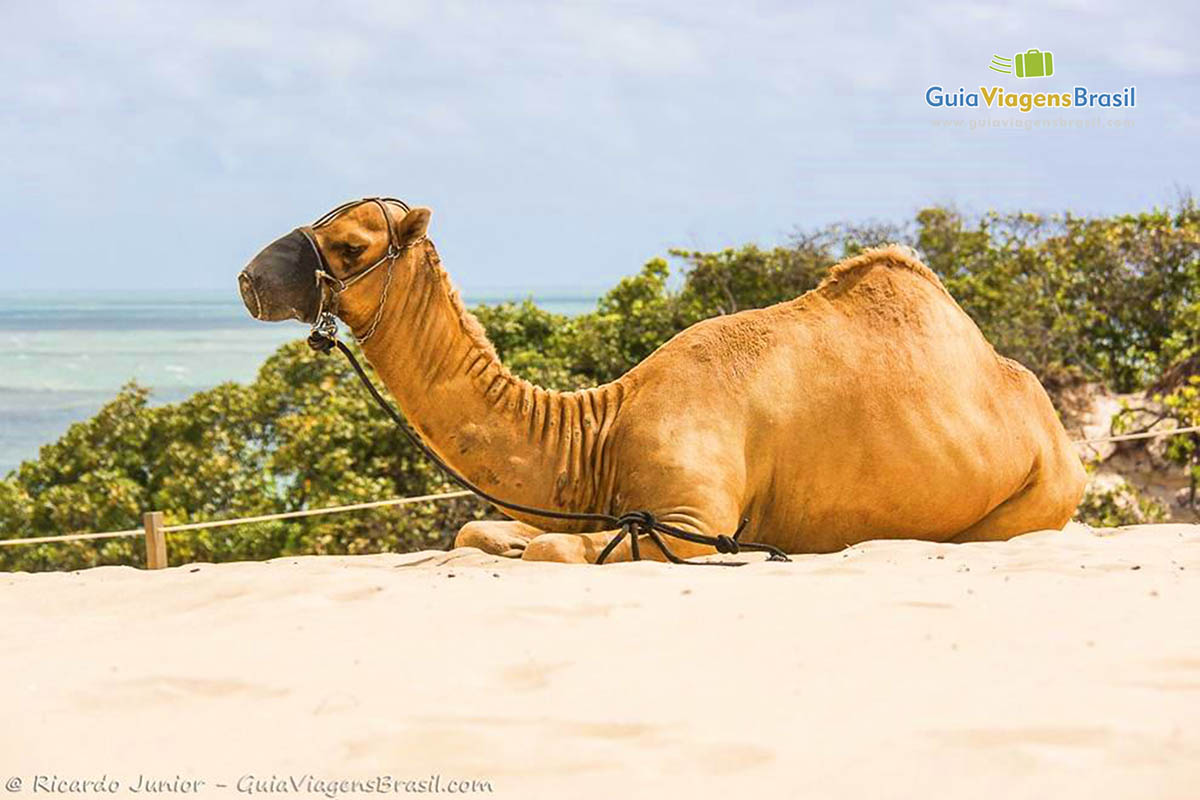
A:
[1058, 665]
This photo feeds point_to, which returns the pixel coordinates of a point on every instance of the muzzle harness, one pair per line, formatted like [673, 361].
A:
[323, 338]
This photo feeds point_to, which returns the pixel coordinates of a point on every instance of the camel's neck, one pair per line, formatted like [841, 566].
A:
[522, 443]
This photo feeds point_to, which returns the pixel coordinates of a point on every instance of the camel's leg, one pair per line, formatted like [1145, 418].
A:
[718, 516]
[1045, 503]
[694, 504]
[499, 537]
[584, 548]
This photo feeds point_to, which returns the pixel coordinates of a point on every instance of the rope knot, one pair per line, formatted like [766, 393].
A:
[320, 342]
[323, 335]
[726, 544]
[637, 520]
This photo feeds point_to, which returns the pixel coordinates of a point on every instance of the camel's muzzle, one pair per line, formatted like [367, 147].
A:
[280, 282]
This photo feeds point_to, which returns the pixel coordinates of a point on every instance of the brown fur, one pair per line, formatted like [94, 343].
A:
[892, 255]
[870, 407]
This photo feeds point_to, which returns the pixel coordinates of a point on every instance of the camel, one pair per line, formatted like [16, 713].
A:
[871, 407]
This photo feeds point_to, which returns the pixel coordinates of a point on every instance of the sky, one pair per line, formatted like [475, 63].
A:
[157, 146]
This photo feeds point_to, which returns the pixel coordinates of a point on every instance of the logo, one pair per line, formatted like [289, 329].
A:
[1033, 63]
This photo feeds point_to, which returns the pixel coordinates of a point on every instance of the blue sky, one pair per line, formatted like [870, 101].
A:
[159, 145]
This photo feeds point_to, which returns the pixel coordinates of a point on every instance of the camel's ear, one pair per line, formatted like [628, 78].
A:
[413, 226]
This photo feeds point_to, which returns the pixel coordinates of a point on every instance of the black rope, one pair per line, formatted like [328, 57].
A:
[631, 524]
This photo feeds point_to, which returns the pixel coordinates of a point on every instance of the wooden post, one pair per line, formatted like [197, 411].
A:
[156, 540]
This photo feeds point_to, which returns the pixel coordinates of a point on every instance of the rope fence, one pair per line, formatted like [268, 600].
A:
[155, 531]
[1129, 437]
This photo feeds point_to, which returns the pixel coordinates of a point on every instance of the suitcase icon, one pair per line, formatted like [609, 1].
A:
[1034, 63]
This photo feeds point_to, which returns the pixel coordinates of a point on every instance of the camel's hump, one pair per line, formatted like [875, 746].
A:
[894, 256]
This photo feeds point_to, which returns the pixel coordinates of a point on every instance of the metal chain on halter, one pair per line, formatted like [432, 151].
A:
[323, 338]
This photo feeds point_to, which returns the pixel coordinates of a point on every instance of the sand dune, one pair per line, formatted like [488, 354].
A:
[1057, 665]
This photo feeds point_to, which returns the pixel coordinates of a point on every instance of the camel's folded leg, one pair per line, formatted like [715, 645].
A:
[584, 548]
[499, 537]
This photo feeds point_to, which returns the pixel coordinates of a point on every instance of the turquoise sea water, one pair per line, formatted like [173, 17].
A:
[63, 356]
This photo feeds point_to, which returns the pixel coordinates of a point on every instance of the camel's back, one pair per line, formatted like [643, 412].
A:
[882, 304]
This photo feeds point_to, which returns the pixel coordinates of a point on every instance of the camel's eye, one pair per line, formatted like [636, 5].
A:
[353, 251]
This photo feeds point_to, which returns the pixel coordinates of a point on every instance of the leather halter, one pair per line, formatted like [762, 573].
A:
[325, 320]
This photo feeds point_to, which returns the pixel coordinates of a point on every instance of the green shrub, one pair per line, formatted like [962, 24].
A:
[1116, 503]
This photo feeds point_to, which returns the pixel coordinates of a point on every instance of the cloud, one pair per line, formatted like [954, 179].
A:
[1157, 59]
[732, 121]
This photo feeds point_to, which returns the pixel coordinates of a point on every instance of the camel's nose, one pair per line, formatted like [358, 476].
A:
[249, 295]
[279, 282]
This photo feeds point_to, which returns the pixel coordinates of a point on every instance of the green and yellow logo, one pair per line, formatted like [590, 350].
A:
[1032, 63]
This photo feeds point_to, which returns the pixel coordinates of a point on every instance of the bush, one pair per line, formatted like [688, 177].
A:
[1116, 502]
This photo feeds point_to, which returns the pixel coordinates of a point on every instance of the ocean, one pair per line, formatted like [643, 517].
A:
[64, 355]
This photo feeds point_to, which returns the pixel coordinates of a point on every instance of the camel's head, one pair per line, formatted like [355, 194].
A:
[288, 279]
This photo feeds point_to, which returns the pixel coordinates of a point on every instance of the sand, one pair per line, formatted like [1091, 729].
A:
[1057, 665]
